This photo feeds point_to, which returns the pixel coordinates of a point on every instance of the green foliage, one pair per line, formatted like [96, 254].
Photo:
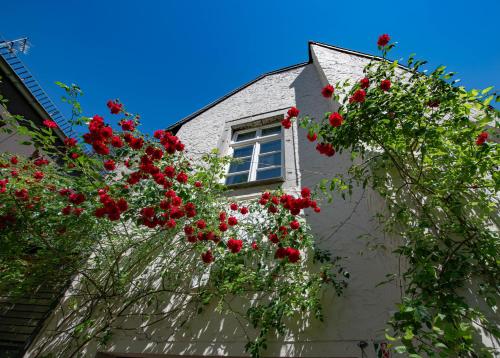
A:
[152, 276]
[415, 144]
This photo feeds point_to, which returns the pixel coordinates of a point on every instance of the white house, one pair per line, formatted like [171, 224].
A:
[246, 123]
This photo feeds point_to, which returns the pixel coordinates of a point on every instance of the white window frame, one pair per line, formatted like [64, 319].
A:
[256, 142]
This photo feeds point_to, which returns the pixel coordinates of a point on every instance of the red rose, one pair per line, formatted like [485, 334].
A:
[234, 245]
[335, 119]
[201, 224]
[109, 164]
[100, 148]
[255, 246]
[272, 209]
[49, 123]
[207, 257]
[383, 40]
[327, 91]
[292, 254]
[114, 107]
[358, 96]
[223, 227]
[385, 85]
[158, 133]
[481, 138]
[325, 149]
[136, 143]
[182, 178]
[116, 142]
[234, 206]
[169, 171]
[122, 204]
[286, 123]
[100, 212]
[305, 192]
[273, 238]
[280, 253]
[293, 112]
[106, 132]
[232, 221]
[128, 125]
[294, 225]
[70, 142]
[76, 199]
[77, 211]
[40, 161]
[38, 175]
[179, 146]
[188, 230]
[197, 184]
[312, 137]
[66, 210]
[74, 155]
[244, 210]
[171, 223]
[222, 216]
[14, 160]
[364, 82]
[317, 209]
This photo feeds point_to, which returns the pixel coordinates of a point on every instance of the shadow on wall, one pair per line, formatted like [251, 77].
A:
[347, 228]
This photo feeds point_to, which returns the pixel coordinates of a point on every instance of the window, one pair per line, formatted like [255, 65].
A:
[257, 155]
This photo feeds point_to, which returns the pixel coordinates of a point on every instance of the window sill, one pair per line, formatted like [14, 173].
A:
[250, 184]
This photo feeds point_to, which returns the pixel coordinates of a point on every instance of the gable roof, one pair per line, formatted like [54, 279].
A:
[175, 127]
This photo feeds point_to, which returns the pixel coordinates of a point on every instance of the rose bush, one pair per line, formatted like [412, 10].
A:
[424, 144]
[139, 223]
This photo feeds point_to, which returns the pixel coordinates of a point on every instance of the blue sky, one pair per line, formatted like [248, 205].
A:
[166, 59]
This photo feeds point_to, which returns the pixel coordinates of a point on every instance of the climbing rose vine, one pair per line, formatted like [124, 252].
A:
[428, 147]
[134, 217]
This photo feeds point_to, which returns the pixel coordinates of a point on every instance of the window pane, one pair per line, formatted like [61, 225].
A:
[243, 152]
[240, 165]
[235, 179]
[268, 174]
[270, 146]
[269, 160]
[272, 130]
[245, 136]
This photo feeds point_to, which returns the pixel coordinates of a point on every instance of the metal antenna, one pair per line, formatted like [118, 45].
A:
[21, 45]
[8, 51]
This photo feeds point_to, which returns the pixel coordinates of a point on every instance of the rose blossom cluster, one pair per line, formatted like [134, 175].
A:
[294, 206]
[110, 208]
[100, 136]
[170, 142]
[168, 211]
[199, 231]
[74, 199]
[292, 113]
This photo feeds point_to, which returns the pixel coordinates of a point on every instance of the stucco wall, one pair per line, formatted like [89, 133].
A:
[360, 314]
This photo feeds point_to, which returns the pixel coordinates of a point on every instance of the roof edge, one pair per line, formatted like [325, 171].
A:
[350, 52]
[175, 127]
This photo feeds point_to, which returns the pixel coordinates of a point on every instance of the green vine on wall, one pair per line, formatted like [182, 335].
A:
[428, 147]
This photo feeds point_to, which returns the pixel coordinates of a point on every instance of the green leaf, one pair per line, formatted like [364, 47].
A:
[408, 334]
[390, 338]
[400, 349]
[486, 90]
[488, 100]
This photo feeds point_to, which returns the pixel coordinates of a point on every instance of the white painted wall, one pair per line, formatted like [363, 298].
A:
[360, 314]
